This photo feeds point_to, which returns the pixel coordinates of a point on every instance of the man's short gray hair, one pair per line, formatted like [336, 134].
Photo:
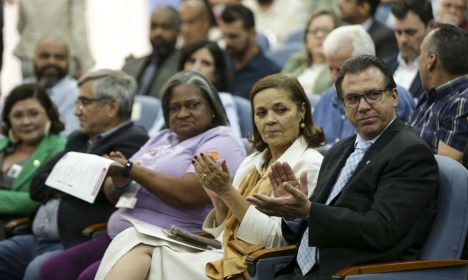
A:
[350, 35]
[113, 84]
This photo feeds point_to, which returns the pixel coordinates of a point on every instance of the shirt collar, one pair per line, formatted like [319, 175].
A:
[359, 138]
[255, 62]
[367, 24]
[402, 62]
[106, 134]
[446, 88]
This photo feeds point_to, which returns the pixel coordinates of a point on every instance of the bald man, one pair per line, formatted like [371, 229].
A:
[196, 19]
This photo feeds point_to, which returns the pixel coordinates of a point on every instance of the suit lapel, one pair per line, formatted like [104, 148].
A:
[330, 175]
[373, 151]
[142, 64]
[34, 161]
[383, 140]
[392, 63]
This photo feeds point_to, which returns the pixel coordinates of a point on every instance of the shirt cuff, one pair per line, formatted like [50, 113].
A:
[209, 225]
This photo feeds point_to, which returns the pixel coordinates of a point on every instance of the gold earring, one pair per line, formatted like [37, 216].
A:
[302, 125]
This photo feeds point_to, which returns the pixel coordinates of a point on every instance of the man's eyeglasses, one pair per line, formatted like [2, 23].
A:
[371, 97]
[85, 101]
[316, 30]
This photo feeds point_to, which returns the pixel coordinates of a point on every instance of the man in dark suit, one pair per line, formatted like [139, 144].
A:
[413, 20]
[153, 70]
[104, 108]
[362, 12]
[375, 194]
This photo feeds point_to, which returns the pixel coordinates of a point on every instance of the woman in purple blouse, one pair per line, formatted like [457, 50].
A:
[158, 185]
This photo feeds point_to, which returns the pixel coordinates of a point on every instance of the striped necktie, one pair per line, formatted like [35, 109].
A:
[306, 256]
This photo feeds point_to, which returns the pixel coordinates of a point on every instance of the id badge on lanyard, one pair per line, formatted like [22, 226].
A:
[129, 199]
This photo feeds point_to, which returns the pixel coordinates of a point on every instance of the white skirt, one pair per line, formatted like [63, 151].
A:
[169, 260]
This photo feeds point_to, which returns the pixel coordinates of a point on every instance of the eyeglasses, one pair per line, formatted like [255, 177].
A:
[316, 30]
[372, 96]
[448, 5]
[82, 102]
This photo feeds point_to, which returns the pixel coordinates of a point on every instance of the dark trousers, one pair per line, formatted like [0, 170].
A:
[291, 271]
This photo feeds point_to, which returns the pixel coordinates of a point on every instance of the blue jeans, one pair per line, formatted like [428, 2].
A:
[22, 256]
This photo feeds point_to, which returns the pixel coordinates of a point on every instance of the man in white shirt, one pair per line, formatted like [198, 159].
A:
[413, 20]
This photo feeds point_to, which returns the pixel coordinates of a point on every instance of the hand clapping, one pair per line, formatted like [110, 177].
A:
[290, 195]
[213, 178]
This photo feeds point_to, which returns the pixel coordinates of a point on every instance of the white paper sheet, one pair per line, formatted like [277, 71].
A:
[80, 175]
[157, 232]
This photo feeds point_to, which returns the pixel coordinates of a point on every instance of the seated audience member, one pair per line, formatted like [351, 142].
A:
[413, 20]
[271, 16]
[453, 12]
[341, 44]
[441, 115]
[249, 62]
[168, 191]
[309, 65]
[207, 58]
[362, 12]
[67, 19]
[153, 70]
[31, 125]
[376, 191]
[104, 108]
[283, 131]
[197, 22]
[51, 62]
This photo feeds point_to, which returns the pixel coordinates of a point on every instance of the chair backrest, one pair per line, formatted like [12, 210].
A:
[295, 37]
[262, 41]
[281, 55]
[244, 112]
[447, 235]
[145, 110]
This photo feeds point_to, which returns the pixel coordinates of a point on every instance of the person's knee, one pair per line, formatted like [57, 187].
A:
[143, 250]
[90, 272]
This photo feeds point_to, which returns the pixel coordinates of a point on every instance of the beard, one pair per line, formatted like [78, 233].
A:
[408, 52]
[49, 76]
[238, 53]
[161, 47]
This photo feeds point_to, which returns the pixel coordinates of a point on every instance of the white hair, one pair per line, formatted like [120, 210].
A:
[350, 35]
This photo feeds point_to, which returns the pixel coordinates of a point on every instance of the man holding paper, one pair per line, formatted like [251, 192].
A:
[104, 108]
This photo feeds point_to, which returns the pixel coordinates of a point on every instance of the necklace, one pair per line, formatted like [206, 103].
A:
[266, 164]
